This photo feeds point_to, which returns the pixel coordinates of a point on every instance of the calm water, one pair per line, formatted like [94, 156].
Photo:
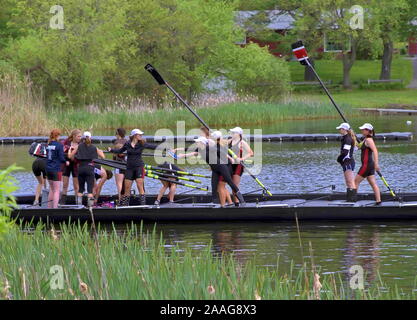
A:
[389, 247]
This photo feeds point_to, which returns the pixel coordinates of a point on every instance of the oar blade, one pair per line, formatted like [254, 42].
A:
[155, 74]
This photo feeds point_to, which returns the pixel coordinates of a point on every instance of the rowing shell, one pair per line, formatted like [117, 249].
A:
[280, 208]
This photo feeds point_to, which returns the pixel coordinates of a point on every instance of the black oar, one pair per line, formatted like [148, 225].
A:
[161, 81]
[166, 175]
[300, 53]
[154, 176]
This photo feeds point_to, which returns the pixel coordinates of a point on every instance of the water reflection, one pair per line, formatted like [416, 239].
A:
[384, 250]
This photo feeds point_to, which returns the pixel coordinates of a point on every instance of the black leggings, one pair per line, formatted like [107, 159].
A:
[223, 170]
[86, 175]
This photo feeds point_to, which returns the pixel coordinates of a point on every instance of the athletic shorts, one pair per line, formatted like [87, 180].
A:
[230, 167]
[72, 169]
[54, 175]
[348, 165]
[39, 168]
[237, 169]
[366, 171]
[136, 173]
[119, 171]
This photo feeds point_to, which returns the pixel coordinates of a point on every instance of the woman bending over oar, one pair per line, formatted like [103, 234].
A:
[217, 161]
[346, 160]
[134, 164]
[242, 149]
[370, 163]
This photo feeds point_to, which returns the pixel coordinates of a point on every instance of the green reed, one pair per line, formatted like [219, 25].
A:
[222, 116]
[136, 264]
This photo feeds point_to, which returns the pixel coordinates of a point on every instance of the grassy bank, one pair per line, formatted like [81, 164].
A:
[367, 98]
[138, 266]
[361, 71]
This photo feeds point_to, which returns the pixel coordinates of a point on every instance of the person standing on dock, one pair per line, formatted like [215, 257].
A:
[70, 170]
[243, 150]
[346, 160]
[119, 174]
[55, 159]
[39, 171]
[134, 165]
[370, 160]
[85, 153]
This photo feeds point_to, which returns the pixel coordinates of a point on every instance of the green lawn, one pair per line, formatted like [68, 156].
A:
[361, 71]
[366, 98]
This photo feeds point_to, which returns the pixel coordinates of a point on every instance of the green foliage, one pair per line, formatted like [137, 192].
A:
[7, 200]
[104, 46]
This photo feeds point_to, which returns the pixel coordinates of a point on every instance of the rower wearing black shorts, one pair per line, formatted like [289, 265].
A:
[39, 171]
[346, 160]
[134, 164]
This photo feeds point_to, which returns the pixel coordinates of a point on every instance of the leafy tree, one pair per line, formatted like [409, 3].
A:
[390, 16]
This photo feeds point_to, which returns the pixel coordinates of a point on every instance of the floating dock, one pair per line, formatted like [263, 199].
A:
[283, 137]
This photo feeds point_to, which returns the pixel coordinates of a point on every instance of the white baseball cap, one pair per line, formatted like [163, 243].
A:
[344, 125]
[87, 134]
[367, 126]
[201, 139]
[135, 132]
[216, 135]
[237, 130]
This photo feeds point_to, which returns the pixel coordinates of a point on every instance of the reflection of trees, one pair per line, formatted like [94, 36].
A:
[362, 248]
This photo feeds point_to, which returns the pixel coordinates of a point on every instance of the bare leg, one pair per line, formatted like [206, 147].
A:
[172, 190]
[139, 183]
[41, 183]
[128, 186]
[53, 197]
[350, 179]
[75, 184]
[119, 183]
[374, 185]
[162, 191]
[65, 184]
[358, 180]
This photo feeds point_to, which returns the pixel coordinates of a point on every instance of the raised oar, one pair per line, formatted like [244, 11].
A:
[154, 176]
[300, 53]
[161, 81]
[184, 173]
[164, 175]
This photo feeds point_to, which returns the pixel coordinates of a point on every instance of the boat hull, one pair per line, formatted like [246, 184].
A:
[277, 209]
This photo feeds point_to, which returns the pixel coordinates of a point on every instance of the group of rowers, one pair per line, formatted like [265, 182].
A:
[75, 157]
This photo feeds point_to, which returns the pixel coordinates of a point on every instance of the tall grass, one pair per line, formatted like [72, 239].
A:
[21, 110]
[137, 265]
[219, 116]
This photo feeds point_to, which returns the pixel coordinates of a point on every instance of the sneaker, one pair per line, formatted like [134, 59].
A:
[156, 203]
[35, 203]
